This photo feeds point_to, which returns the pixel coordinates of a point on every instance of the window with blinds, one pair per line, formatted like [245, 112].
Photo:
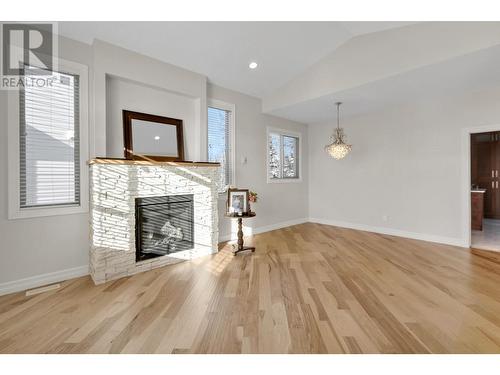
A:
[219, 142]
[49, 141]
[283, 156]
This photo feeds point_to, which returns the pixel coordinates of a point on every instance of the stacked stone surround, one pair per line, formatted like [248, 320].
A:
[114, 187]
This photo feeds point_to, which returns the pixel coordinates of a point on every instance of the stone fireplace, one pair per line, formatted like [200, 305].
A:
[146, 215]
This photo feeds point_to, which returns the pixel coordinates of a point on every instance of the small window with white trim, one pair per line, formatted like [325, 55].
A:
[283, 155]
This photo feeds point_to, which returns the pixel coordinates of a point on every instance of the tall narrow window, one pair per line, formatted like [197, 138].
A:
[220, 149]
[274, 155]
[283, 156]
[49, 141]
[290, 155]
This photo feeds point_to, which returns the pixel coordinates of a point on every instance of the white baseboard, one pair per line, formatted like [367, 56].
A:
[41, 280]
[54, 277]
[266, 228]
[49, 278]
[394, 232]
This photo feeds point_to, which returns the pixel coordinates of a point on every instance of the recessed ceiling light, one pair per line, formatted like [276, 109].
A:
[253, 65]
[157, 137]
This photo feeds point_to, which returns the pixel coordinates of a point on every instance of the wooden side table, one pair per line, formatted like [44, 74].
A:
[241, 247]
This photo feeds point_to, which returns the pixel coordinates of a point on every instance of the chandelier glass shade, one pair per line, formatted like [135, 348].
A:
[338, 148]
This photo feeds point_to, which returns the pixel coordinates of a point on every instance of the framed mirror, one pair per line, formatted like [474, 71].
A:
[151, 137]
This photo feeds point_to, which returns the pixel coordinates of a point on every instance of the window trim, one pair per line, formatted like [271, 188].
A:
[219, 104]
[283, 132]
[14, 206]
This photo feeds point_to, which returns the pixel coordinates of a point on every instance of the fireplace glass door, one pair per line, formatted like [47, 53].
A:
[164, 225]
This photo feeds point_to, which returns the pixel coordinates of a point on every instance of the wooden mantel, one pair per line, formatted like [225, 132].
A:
[152, 162]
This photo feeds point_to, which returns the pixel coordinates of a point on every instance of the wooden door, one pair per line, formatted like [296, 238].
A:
[482, 168]
[477, 211]
[495, 183]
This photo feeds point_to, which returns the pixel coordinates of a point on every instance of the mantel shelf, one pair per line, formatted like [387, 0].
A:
[152, 162]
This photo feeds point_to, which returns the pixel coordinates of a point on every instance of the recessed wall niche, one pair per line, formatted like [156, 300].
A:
[134, 96]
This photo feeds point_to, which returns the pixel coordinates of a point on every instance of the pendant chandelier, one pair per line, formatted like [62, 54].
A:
[338, 149]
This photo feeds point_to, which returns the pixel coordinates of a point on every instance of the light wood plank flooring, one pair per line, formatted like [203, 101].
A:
[309, 288]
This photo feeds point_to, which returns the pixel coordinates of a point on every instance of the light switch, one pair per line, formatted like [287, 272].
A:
[243, 160]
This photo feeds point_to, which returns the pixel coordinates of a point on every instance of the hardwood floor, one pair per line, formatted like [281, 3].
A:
[309, 288]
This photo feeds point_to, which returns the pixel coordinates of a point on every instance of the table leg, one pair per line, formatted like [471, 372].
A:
[240, 239]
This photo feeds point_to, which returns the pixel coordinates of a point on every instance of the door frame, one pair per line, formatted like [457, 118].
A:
[466, 176]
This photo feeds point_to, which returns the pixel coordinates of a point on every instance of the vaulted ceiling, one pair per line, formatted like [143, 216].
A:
[390, 67]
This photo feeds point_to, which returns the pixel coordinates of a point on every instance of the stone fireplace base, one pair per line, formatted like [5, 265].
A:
[115, 184]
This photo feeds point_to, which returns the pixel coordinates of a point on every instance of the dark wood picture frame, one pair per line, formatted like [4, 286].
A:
[247, 195]
[128, 143]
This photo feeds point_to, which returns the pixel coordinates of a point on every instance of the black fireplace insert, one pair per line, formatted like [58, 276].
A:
[163, 225]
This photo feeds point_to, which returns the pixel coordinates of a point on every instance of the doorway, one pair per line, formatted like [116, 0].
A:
[485, 190]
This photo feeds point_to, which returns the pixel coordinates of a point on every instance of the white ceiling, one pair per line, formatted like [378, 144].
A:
[465, 73]
[223, 50]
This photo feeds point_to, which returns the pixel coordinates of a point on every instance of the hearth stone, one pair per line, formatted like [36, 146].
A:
[114, 189]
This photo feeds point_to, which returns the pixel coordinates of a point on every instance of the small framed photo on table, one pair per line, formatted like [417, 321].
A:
[237, 201]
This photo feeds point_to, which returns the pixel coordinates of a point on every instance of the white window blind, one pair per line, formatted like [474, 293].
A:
[219, 142]
[283, 156]
[50, 142]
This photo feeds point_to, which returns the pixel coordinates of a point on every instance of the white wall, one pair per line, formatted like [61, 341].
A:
[44, 245]
[279, 203]
[110, 60]
[406, 164]
[133, 96]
